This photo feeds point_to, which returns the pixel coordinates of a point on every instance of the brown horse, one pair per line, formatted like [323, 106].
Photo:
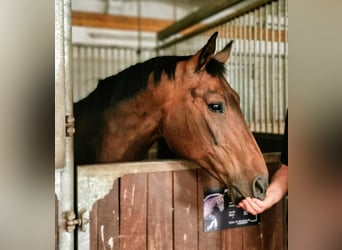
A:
[187, 101]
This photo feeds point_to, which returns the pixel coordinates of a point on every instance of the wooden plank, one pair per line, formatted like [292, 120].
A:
[98, 20]
[93, 226]
[160, 211]
[252, 238]
[206, 240]
[185, 209]
[210, 9]
[104, 221]
[272, 220]
[133, 212]
[273, 227]
[232, 239]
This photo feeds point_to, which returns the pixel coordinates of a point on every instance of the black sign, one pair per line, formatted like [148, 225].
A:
[220, 213]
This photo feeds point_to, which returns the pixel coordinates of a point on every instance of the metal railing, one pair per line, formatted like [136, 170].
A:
[258, 65]
[257, 68]
[94, 62]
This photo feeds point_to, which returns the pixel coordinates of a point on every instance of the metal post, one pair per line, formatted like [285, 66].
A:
[64, 178]
[272, 92]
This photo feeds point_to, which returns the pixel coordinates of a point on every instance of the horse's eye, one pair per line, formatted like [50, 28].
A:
[216, 107]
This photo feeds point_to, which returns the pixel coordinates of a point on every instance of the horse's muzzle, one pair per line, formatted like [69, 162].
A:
[260, 185]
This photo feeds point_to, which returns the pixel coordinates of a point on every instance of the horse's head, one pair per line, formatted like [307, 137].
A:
[203, 122]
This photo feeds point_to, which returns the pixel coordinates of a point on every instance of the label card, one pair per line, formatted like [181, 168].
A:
[220, 213]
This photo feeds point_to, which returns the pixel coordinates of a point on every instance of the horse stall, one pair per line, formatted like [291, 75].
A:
[159, 203]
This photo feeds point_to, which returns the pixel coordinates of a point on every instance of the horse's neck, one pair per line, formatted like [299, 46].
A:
[129, 130]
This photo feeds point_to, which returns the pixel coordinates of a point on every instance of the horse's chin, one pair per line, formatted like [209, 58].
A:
[235, 195]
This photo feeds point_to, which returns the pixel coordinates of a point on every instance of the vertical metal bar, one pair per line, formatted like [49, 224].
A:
[236, 80]
[286, 58]
[272, 92]
[89, 82]
[59, 87]
[240, 64]
[116, 63]
[107, 61]
[266, 93]
[93, 69]
[78, 83]
[113, 60]
[81, 70]
[65, 177]
[279, 74]
[122, 58]
[261, 85]
[249, 80]
[255, 72]
[94, 64]
[244, 69]
[229, 66]
[98, 63]
[103, 62]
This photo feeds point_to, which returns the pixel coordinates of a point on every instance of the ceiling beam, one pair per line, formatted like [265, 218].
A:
[213, 7]
[97, 20]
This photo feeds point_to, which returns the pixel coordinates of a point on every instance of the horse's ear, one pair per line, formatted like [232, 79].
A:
[224, 54]
[204, 55]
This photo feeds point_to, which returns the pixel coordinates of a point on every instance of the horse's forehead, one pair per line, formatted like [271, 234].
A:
[208, 84]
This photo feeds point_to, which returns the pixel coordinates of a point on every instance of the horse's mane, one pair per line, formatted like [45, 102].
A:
[131, 81]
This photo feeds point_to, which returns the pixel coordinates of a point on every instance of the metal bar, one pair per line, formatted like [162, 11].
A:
[261, 103]
[112, 61]
[273, 104]
[245, 68]
[195, 17]
[107, 65]
[266, 73]
[79, 72]
[230, 67]
[88, 82]
[236, 56]
[286, 58]
[64, 185]
[103, 63]
[255, 76]
[109, 46]
[107, 6]
[82, 69]
[240, 62]
[239, 11]
[280, 97]
[93, 69]
[59, 87]
[249, 80]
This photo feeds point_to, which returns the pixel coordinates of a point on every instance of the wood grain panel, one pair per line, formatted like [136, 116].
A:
[133, 212]
[273, 227]
[98, 20]
[185, 209]
[104, 221]
[209, 240]
[232, 239]
[252, 238]
[160, 211]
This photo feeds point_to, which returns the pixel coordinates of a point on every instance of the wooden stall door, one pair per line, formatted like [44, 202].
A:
[161, 208]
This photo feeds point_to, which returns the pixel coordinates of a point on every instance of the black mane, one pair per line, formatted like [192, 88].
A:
[131, 81]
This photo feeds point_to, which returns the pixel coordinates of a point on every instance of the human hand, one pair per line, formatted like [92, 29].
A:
[255, 206]
[275, 192]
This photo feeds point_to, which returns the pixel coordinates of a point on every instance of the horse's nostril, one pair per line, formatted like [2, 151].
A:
[259, 187]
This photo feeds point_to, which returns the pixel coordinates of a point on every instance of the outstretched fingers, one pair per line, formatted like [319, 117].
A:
[253, 206]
